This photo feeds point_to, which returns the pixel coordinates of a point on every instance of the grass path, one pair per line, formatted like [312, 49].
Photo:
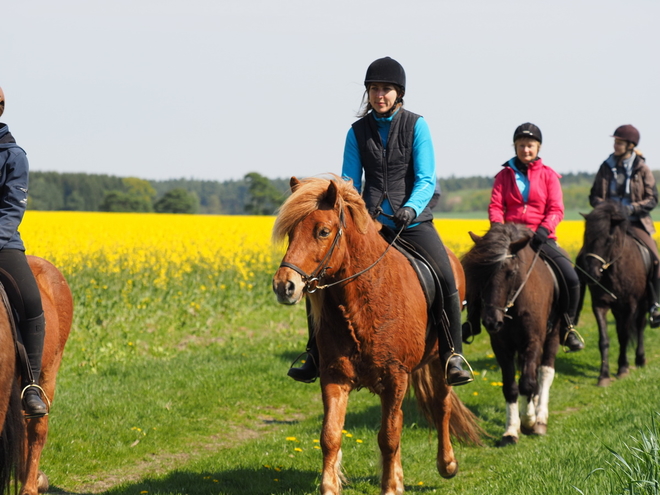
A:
[221, 417]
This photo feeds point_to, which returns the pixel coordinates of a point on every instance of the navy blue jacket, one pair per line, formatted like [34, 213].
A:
[13, 189]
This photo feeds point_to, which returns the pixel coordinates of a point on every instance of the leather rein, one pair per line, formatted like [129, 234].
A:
[515, 295]
[312, 280]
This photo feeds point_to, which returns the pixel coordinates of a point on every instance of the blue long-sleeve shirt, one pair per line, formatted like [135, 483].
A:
[423, 163]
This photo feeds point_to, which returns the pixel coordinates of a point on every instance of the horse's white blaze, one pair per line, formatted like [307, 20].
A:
[512, 420]
[546, 376]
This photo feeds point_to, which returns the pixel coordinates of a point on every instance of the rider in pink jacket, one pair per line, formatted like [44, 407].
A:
[544, 206]
[528, 192]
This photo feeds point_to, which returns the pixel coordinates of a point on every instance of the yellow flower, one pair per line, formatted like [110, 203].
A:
[291, 439]
[298, 449]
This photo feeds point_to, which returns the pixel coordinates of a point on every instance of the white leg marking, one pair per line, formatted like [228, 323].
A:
[546, 376]
[512, 420]
[529, 417]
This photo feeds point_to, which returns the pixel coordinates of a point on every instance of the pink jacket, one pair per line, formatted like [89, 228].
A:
[545, 203]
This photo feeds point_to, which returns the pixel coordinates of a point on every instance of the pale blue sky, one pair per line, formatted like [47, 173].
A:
[213, 89]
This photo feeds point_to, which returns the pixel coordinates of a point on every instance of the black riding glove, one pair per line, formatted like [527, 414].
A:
[404, 217]
[629, 209]
[540, 238]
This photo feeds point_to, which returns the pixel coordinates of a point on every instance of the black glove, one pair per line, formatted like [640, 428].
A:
[540, 238]
[404, 217]
[629, 209]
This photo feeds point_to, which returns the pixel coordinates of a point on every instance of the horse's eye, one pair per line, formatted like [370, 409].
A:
[324, 232]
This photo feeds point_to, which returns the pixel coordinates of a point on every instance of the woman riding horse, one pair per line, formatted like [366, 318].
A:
[393, 148]
[15, 274]
[625, 177]
[528, 192]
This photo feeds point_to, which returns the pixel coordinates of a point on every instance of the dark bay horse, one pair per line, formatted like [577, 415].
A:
[613, 259]
[370, 317]
[58, 310]
[514, 292]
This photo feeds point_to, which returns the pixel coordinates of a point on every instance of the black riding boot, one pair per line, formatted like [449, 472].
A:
[654, 312]
[309, 371]
[568, 335]
[33, 332]
[472, 325]
[451, 346]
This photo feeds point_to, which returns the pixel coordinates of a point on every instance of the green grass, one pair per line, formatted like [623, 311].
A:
[174, 398]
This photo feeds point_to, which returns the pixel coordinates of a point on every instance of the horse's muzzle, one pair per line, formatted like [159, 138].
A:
[288, 286]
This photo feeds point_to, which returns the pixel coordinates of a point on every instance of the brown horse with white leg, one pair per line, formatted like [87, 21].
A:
[371, 322]
[57, 303]
[513, 291]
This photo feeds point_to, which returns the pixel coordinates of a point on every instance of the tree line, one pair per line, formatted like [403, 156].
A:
[253, 194]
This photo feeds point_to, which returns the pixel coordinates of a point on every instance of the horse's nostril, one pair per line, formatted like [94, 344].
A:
[290, 288]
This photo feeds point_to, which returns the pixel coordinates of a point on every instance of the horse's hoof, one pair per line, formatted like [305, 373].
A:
[526, 430]
[507, 440]
[42, 482]
[604, 382]
[640, 362]
[623, 373]
[540, 429]
[449, 471]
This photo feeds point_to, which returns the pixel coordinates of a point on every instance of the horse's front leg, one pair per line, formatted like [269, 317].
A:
[389, 436]
[600, 312]
[505, 359]
[335, 400]
[624, 322]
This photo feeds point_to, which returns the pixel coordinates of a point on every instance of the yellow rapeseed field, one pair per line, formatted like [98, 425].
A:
[127, 243]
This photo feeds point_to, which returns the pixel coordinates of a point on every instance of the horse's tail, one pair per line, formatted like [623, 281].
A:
[463, 424]
[12, 438]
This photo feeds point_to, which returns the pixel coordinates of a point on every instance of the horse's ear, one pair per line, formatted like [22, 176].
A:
[294, 184]
[584, 215]
[475, 237]
[331, 194]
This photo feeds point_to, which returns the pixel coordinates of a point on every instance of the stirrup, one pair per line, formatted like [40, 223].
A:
[313, 363]
[469, 338]
[453, 354]
[42, 393]
[569, 330]
[654, 316]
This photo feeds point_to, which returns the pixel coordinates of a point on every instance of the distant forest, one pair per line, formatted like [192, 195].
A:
[254, 194]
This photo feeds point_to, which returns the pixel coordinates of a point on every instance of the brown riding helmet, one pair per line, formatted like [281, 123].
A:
[627, 133]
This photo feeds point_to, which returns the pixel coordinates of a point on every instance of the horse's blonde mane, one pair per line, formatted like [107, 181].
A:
[308, 197]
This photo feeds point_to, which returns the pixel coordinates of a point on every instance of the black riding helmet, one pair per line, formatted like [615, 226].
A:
[386, 70]
[528, 130]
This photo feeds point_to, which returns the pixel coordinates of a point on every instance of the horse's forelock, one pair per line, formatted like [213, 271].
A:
[309, 196]
[487, 255]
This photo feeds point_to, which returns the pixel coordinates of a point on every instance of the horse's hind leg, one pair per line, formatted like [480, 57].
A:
[624, 322]
[389, 436]
[640, 324]
[441, 405]
[335, 400]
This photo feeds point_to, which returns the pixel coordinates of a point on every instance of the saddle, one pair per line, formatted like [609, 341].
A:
[644, 251]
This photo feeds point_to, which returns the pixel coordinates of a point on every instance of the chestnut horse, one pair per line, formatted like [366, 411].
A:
[618, 280]
[514, 292]
[58, 310]
[370, 318]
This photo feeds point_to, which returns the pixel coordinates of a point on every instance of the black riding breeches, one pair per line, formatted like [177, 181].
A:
[562, 260]
[425, 237]
[20, 284]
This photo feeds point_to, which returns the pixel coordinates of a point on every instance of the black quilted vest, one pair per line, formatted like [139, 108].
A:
[389, 173]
